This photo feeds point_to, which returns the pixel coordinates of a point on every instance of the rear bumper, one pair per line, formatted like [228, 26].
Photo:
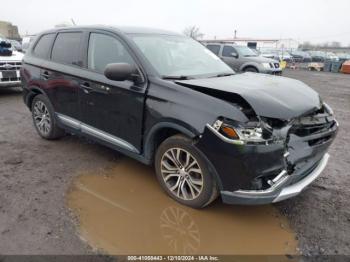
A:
[280, 192]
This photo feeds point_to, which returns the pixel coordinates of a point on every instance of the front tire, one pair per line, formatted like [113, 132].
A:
[184, 173]
[250, 69]
[44, 118]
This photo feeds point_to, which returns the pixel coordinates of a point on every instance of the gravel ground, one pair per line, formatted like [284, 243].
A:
[35, 175]
[321, 216]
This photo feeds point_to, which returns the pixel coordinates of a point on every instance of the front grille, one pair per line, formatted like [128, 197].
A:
[9, 71]
[9, 66]
[12, 79]
[315, 127]
[307, 130]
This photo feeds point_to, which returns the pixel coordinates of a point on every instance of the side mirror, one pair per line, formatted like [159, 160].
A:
[235, 55]
[119, 71]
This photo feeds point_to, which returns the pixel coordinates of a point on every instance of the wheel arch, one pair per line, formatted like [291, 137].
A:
[33, 91]
[246, 65]
[161, 131]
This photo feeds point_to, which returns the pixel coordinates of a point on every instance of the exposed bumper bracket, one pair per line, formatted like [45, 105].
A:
[275, 193]
[296, 188]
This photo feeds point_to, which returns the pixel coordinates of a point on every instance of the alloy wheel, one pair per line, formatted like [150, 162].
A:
[182, 173]
[42, 118]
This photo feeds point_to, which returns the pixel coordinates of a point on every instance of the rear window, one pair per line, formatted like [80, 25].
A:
[66, 48]
[43, 46]
[214, 48]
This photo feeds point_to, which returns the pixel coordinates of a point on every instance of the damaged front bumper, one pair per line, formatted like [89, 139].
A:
[272, 172]
[279, 192]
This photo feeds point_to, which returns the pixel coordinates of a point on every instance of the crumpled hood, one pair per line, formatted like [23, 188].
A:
[16, 56]
[269, 96]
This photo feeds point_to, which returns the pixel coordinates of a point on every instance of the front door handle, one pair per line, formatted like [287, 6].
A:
[86, 87]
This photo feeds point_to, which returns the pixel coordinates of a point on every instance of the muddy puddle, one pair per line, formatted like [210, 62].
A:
[122, 210]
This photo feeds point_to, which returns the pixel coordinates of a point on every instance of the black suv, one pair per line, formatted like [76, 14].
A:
[164, 99]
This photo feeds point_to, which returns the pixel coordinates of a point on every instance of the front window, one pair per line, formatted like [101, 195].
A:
[104, 50]
[179, 56]
[229, 51]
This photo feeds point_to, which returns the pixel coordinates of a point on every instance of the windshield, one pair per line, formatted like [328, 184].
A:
[245, 51]
[179, 56]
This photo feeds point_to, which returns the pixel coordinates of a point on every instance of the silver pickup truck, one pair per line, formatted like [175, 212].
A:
[10, 64]
[243, 59]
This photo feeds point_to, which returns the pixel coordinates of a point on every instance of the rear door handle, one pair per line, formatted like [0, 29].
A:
[86, 87]
[45, 75]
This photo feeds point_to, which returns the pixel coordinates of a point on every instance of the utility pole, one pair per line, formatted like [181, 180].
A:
[235, 36]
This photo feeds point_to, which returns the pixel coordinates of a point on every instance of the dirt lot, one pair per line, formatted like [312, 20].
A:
[36, 174]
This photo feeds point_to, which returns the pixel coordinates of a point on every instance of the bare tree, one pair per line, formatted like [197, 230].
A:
[306, 45]
[193, 32]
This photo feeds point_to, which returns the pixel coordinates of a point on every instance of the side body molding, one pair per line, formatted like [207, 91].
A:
[89, 130]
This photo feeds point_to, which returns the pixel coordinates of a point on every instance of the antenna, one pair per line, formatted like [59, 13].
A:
[73, 21]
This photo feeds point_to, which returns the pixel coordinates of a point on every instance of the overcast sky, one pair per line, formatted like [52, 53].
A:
[304, 20]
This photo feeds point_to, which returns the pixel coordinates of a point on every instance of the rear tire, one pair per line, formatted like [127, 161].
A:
[184, 173]
[44, 118]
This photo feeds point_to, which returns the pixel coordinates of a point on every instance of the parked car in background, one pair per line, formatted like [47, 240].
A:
[166, 100]
[270, 53]
[301, 56]
[343, 56]
[10, 64]
[26, 42]
[244, 59]
[317, 56]
[16, 45]
[276, 54]
[331, 56]
[285, 56]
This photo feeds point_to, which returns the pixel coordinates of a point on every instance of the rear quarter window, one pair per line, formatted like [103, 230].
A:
[66, 48]
[43, 46]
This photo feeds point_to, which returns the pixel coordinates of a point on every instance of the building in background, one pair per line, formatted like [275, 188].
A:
[9, 31]
[287, 44]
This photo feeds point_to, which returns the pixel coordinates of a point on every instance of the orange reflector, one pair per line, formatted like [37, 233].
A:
[230, 132]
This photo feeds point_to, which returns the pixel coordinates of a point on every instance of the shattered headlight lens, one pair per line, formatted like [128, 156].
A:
[251, 134]
[240, 134]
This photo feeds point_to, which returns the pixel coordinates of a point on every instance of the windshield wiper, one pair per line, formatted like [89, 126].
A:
[176, 77]
[223, 74]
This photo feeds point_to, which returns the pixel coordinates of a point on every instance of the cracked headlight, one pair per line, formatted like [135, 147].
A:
[239, 134]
